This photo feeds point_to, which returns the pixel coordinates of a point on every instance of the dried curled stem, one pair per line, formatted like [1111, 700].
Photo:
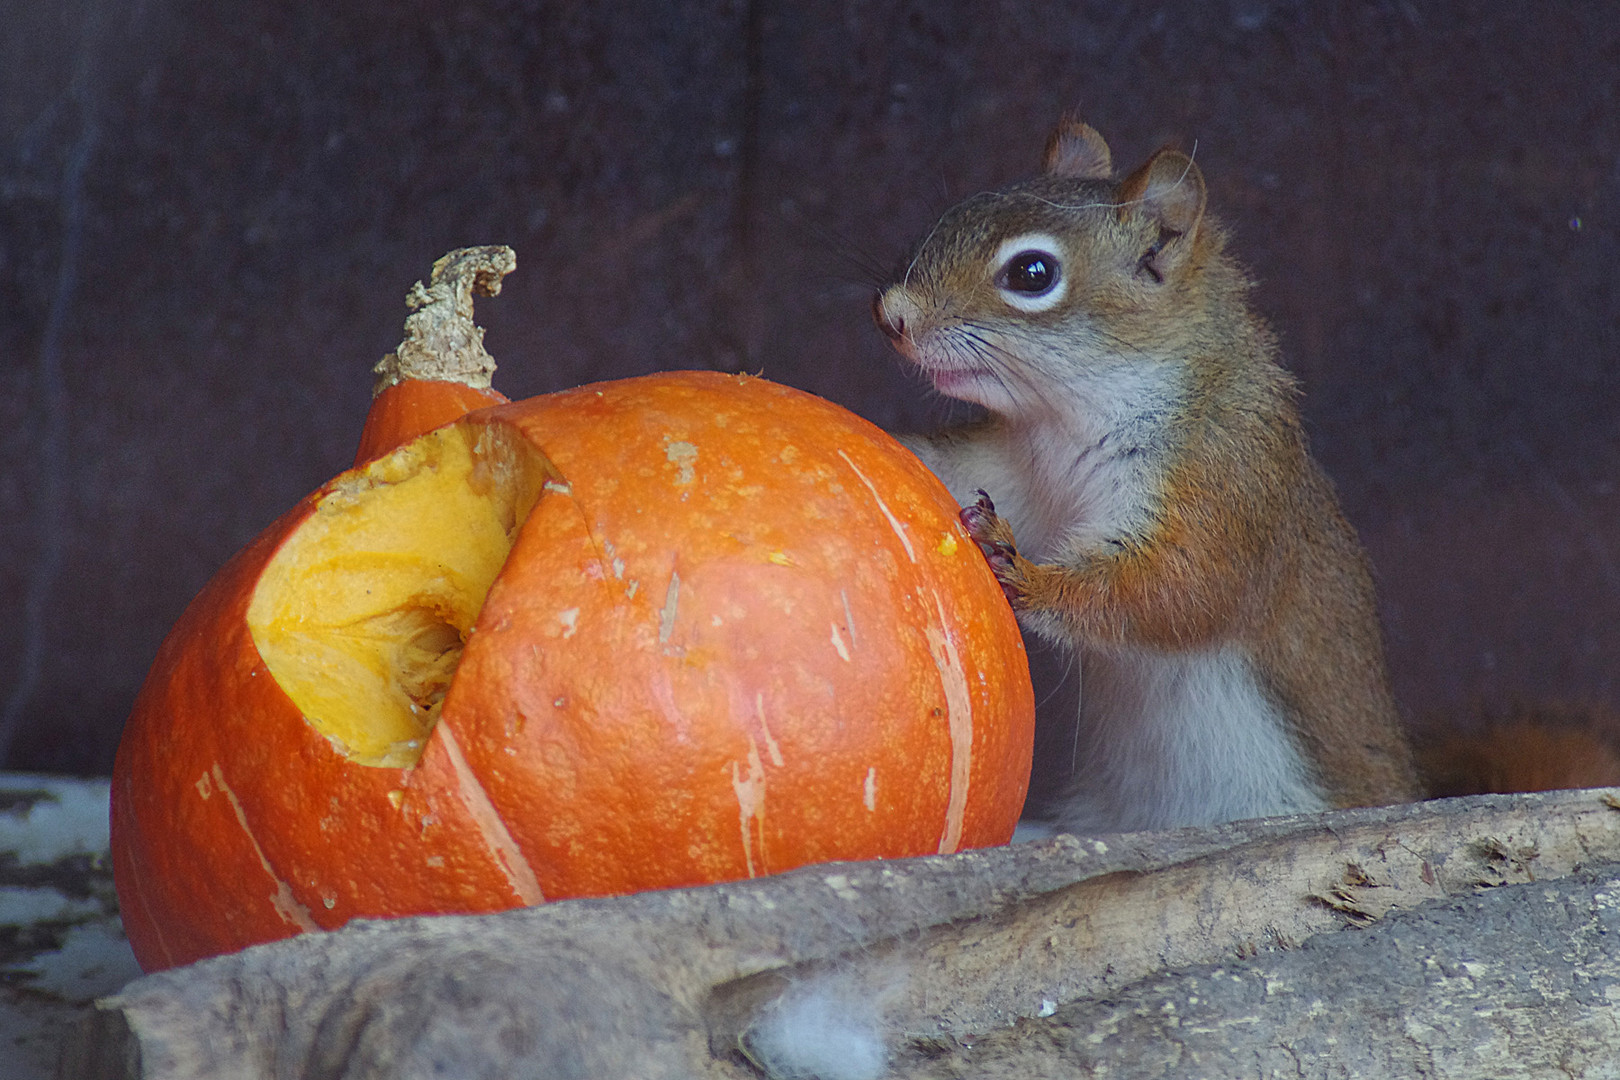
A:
[441, 340]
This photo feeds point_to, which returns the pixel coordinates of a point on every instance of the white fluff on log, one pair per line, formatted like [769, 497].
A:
[824, 1028]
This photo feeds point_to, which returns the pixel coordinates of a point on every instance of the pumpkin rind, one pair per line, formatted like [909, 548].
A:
[403, 410]
[234, 822]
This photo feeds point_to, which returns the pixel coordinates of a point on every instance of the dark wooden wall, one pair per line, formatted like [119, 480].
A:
[210, 211]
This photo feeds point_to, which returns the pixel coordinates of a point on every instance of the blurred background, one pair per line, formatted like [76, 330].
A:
[210, 213]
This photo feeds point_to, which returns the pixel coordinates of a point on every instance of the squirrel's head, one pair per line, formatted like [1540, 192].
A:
[1027, 285]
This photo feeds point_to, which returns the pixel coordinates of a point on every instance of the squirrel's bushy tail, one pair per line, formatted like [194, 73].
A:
[1546, 747]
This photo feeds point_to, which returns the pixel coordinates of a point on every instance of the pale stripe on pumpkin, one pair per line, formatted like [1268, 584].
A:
[491, 828]
[959, 714]
[282, 899]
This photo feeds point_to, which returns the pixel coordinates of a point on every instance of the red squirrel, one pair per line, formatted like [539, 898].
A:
[1144, 445]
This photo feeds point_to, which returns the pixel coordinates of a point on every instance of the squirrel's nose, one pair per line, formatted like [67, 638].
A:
[892, 323]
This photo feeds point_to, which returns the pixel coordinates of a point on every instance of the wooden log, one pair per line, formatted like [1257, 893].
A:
[1518, 981]
[1035, 956]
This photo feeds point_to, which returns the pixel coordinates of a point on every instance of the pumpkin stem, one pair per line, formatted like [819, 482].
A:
[441, 340]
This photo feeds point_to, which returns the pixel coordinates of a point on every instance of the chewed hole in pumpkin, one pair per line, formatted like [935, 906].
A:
[363, 611]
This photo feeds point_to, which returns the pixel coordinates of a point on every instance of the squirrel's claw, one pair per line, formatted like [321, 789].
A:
[979, 516]
[994, 537]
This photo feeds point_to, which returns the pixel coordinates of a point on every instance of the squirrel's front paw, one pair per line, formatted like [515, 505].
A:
[995, 538]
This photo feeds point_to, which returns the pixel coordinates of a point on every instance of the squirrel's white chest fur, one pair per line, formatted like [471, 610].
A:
[1171, 739]
[1163, 738]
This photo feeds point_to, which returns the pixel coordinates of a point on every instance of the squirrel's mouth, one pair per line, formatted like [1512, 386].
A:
[974, 385]
[955, 371]
[944, 365]
[945, 379]
[963, 374]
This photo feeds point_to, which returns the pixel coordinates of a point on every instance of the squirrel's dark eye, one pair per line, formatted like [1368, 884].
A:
[1027, 272]
[1033, 273]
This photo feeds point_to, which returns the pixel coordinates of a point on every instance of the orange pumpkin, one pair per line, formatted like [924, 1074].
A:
[651, 633]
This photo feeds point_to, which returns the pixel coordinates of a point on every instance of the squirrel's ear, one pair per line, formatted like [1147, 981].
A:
[1076, 152]
[1169, 189]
